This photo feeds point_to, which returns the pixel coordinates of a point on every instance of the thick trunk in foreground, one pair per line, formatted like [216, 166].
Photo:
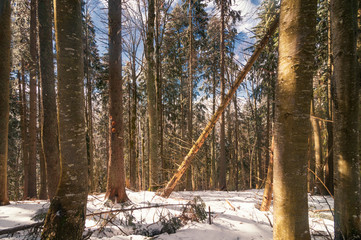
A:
[5, 39]
[50, 125]
[66, 215]
[292, 114]
[116, 172]
[212, 122]
[345, 125]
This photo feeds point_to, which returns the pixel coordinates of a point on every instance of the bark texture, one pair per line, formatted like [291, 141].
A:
[346, 158]
[31, 193]
[152, 101]
[66, 215]
[50, 125]
[116, 172]
[292, 114]
[222, 136]
[5, 39]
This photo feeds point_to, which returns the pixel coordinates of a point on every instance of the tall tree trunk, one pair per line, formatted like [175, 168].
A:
[50, 124]
[116, 172]
[329, 166]
[152, 101]
[189, 184]
[268, 190]
[317, 147]
[66, 215]
[33, 113]
[292, 125]
[43, 192]
[158, 80]
[89, 107]
[212, 122]
[346, 158]
[222, 154]
[133, 128]
[214, 180]
[5, 33]
[24, 131]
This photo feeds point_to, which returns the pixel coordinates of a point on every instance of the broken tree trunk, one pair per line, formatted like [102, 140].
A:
[198, 144]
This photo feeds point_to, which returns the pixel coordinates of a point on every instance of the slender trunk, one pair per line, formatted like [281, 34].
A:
[292, 126]
[89, 109]
[189, 184]
[66, 215]
[346, 122]
[213, 146]
[43, 193]
[268, 190]
[236, 149]
[152, 101]
[50, 122]
[329, 166]
[24, 131]
[222, 154]
[317, 144]
[116, 172]
[133, 129]
[33, 106]
[5, 33]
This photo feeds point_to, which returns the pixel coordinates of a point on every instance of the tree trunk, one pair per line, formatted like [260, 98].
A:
[329, 166]
[89, 108]
[43, 193]
[50, 138]
[222, 154]
[24, 130]
[212, 122]
[317, 145]
[346, 159]
[66, 215]
[189, 184]
[268, 190]
[214, 180]
[5, 33]
[116, 173]
[152, 101]
[33, 106]
[292, 125]
[133, 128]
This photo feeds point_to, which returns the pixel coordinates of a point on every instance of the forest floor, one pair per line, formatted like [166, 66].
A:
[234, 215]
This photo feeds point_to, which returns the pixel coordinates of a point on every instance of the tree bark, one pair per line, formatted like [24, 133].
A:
[189, 185]
[33, 106]
[329, 166]
[152, 101]
[292, 125]
[268, 190]
[345, 127]
[222, 155]
[5, 33]
[50, 137]
[43, 192]
[317, 147]
[116, 172]
[212, 122]
[133, 127]
[66, 215]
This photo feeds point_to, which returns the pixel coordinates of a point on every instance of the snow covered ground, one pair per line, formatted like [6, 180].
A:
[234, 216]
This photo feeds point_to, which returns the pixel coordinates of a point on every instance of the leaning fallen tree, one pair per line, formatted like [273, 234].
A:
[198, 144]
